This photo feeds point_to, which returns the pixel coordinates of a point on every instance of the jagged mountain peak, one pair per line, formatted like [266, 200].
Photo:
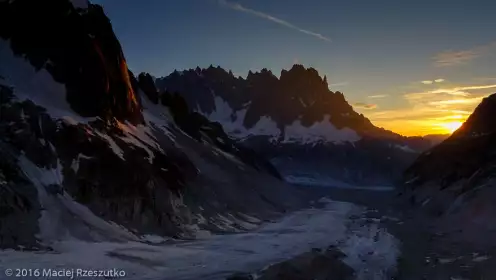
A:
[83, 54]
[299, 96]
[147, 84]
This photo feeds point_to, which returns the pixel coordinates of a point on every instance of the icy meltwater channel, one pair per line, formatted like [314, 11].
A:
[371, 251]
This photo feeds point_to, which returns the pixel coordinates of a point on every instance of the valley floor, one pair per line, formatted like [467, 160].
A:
[379, 242]
[369, 250]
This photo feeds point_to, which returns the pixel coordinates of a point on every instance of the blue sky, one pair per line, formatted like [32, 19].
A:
[390, 50]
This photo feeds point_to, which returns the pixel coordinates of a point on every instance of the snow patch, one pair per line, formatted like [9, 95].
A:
[302, 103]
[412, 180]
[405, 148]
[140, 136]
[115, 148]
[372, 252]
[61, 217]
[75, 162]
[37, 86]
[157, 116]
[153, 239]
[232, 122]
[323, 131]
[478, 258]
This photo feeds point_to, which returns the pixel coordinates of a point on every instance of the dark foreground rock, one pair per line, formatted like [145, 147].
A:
[315, 265]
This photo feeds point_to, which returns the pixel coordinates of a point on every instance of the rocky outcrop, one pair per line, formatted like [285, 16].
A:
[317, 264]
[147, 84]
[19, 206]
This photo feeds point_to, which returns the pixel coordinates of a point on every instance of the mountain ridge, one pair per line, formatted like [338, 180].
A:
[298, 94]
[296, 116]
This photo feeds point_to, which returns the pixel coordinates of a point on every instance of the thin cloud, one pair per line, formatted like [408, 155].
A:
[454, 58]
[240, 8]
[451, 98]
[365, 106]
[378, 96]
[341, 84]
[442, 103]
[485, 79]
[428, 111]
[429, 82]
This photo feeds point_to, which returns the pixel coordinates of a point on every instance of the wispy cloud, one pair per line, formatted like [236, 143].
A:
[460, 57]
[366, 106]
[429, 82]
[341, 84]
[454, 91]
[378, 96]
[240, 8]
[485, 79]
[453, 58]
[427, 112]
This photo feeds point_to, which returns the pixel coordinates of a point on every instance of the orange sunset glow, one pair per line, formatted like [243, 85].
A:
[435, 110]
[452, 126]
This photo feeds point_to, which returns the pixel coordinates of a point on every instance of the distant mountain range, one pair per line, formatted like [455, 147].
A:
[298, 122]
[436, 138]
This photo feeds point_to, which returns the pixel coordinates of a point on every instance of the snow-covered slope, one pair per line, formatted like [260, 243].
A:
[319, 132]
[232, 122]
[322, 132]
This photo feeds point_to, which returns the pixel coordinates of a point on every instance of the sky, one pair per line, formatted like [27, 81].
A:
[413, 67]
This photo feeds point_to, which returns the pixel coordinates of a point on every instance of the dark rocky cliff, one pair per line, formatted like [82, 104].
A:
[454, 182]
[93, 153]
[79, 50]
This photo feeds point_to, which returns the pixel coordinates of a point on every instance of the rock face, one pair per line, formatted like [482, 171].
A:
[83, 54]
[455, 180]
[298, 122]
[88, 151]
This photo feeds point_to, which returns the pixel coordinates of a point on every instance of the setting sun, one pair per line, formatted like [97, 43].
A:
[452, 126]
